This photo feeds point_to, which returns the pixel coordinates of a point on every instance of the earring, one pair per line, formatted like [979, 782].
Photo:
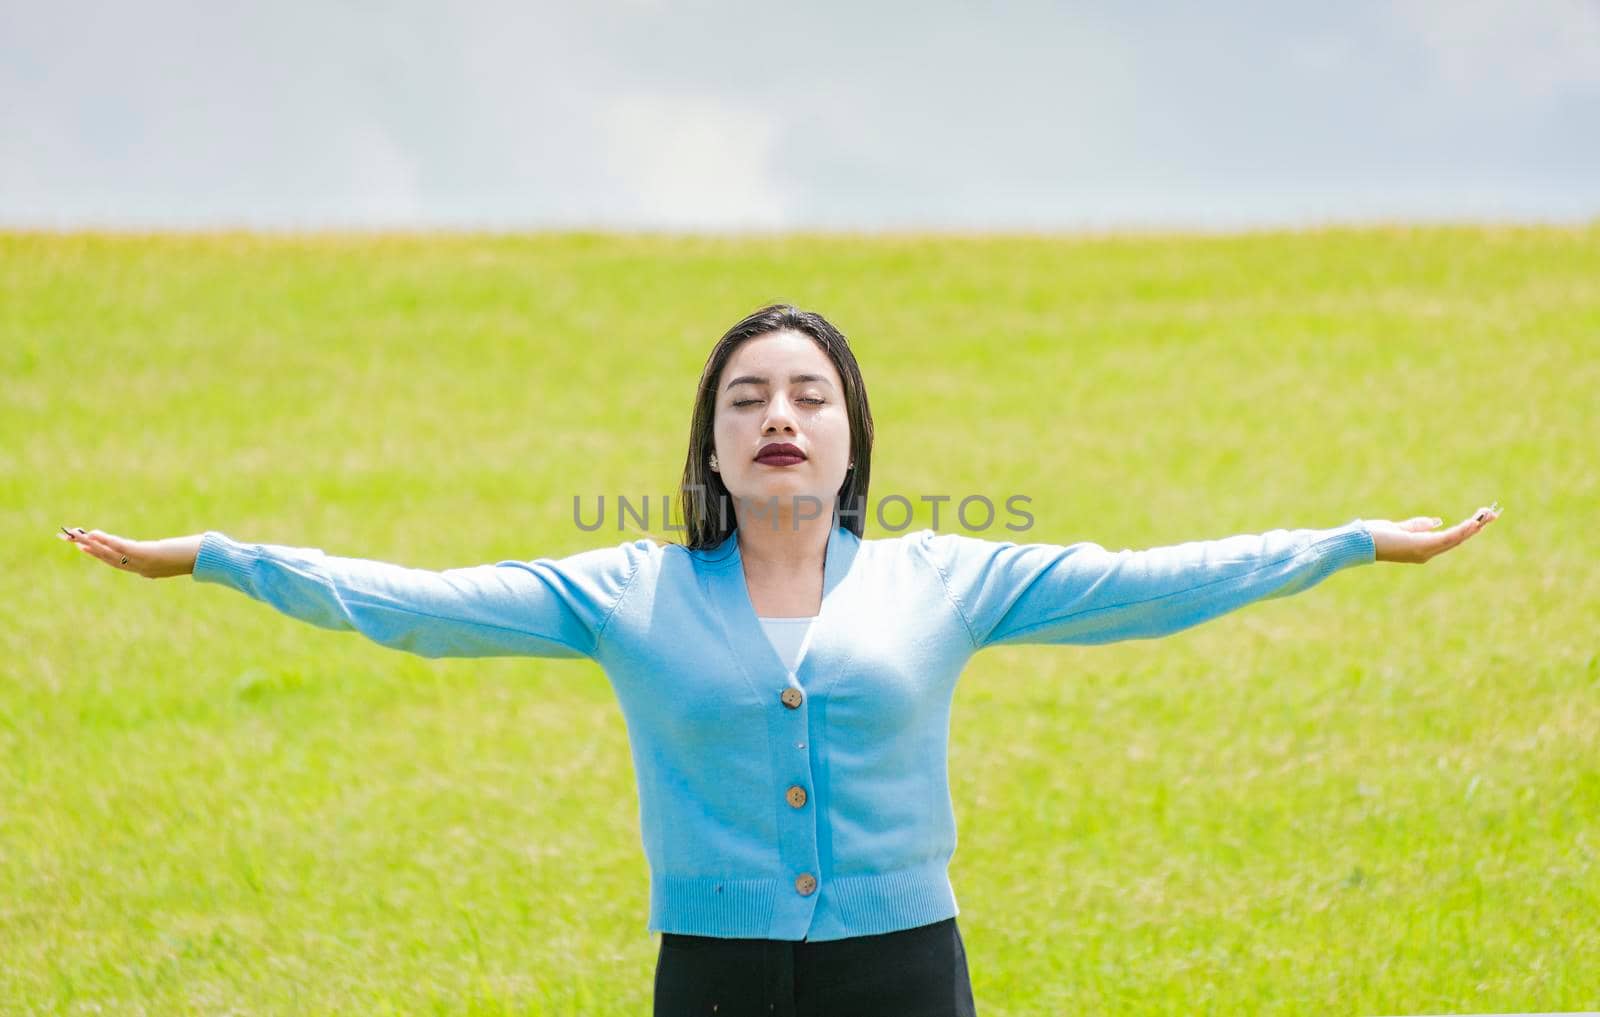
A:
[713, 460]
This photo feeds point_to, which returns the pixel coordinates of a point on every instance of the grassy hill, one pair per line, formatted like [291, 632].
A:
[1379, 796]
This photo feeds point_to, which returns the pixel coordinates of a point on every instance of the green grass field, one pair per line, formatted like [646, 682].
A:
[1379, 796]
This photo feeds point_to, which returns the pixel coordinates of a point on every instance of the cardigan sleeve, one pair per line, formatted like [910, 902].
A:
[540, 608]
[1082, 593]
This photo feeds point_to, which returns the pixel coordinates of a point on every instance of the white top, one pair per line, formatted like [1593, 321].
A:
[790, 637]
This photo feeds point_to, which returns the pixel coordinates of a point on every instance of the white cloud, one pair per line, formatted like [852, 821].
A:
[694, 161]
[1536, 48]
[381, 177]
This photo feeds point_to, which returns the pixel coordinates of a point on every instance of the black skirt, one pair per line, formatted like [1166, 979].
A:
[920, 972]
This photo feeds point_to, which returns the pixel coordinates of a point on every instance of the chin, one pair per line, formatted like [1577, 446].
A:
[785, 488]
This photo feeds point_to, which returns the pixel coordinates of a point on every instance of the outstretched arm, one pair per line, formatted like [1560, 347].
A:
[1082, 593]
[540, 608]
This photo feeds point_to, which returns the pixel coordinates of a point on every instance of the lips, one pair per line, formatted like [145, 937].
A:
[780, 453]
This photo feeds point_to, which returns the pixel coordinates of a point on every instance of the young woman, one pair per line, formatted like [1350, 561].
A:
[786, 683]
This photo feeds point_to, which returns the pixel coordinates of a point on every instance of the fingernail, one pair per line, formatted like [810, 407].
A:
[83, 531]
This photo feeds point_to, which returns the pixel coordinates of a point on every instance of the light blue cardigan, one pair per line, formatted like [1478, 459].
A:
[813, 806]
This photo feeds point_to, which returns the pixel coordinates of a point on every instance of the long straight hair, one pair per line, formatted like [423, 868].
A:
[705, 500]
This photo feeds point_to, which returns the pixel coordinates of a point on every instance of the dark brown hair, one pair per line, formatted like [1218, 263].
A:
[708, 517]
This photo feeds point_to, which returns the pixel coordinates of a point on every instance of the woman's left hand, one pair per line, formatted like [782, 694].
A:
[1415, 540]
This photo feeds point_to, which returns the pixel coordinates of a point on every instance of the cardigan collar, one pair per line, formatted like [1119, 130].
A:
[736, 612]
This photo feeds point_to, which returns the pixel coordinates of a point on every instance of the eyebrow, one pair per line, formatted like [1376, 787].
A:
[794, 379]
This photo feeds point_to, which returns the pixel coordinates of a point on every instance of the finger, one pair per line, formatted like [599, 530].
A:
[115, 548]
[1431, 542]
[1460, 532]
[78, 535]
[1420, 523]
[93, 542]
[1477, 521]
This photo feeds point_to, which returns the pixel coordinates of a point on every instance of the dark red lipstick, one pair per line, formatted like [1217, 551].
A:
[780, 453]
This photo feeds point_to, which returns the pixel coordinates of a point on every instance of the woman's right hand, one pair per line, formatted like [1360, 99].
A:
[153, 559]
[1415, 541]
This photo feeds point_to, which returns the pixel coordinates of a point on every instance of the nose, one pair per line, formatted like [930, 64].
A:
[778, 415]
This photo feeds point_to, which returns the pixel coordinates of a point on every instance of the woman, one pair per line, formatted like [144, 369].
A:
[786, 683]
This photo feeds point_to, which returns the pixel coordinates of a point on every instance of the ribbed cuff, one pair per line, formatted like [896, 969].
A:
[1350, 544]
[223, 561]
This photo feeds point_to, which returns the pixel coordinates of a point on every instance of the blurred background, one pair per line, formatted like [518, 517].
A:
[762, 116]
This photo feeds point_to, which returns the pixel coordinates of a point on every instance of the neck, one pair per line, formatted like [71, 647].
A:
[793, 544]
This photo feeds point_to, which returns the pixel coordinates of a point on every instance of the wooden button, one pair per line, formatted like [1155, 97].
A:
[805, 883]
[791, 697]
[797, 796]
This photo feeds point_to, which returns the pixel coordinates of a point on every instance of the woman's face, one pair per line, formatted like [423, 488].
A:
[780, 388]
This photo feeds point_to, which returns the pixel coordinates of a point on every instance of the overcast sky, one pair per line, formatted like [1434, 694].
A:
[860, 115]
